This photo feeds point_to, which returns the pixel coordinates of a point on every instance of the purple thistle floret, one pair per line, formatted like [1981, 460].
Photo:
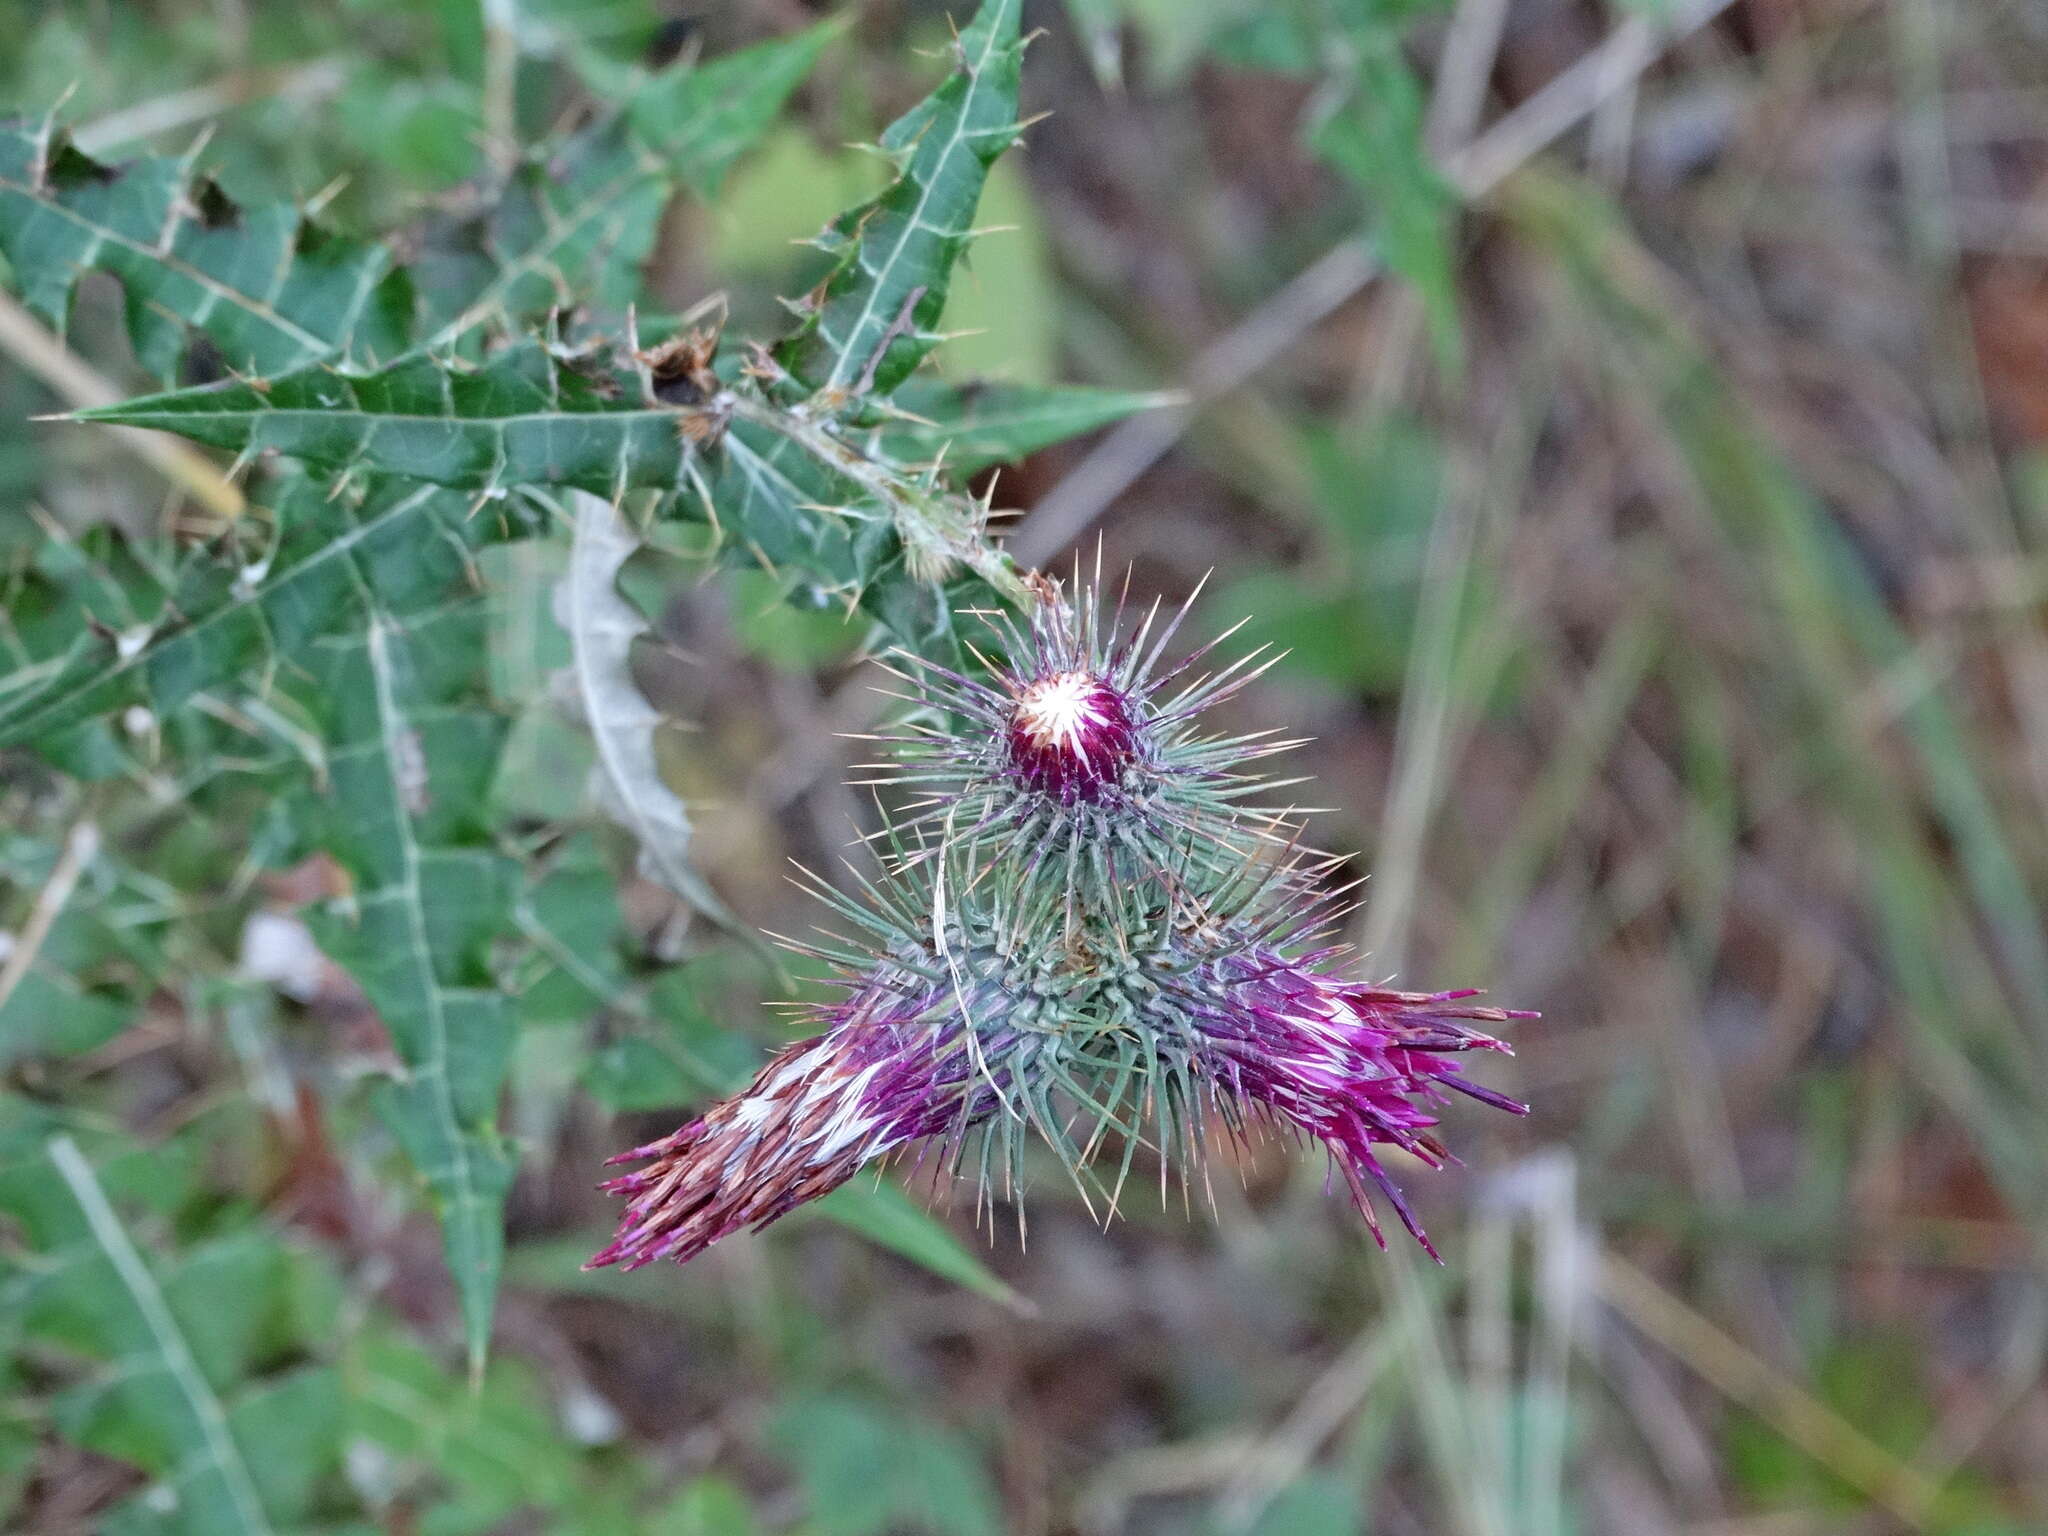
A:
[1071, 736]
[891, 1070]
[1353, 1066]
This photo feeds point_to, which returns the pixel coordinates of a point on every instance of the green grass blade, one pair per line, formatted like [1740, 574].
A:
[1948, 927]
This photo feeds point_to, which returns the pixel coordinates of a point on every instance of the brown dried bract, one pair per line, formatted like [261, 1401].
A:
[680, 367]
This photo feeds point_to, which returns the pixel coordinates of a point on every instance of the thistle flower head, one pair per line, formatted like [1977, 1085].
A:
[1081, 933]
[1355, 1067]
[893, 1068]
[1083, 736]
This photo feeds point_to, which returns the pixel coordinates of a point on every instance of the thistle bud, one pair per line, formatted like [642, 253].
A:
[1080, 739]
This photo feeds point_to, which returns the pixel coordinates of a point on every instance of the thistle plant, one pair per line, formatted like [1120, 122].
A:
[1091, 926]
[1083, 928]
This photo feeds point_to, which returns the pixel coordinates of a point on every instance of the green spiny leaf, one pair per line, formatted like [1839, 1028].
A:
[333, 613]
[575, 221]
[523, 418]
[783, 487]
[870, 322]
[272, 290]
[701, 120]
[570, 226]
[75, 611]
[172, 1392]
[768, 487]
[971, 426]
[251, 604]
[412, 743]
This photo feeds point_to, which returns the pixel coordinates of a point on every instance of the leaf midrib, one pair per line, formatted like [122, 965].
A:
[390, 723]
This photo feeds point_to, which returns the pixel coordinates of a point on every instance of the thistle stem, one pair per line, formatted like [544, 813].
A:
[932, 524]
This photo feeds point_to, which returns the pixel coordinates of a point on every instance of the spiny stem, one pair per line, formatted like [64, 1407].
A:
[935, 525]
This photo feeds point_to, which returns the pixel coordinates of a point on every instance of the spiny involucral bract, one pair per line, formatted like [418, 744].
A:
[959, 1037]
[1169, 977]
